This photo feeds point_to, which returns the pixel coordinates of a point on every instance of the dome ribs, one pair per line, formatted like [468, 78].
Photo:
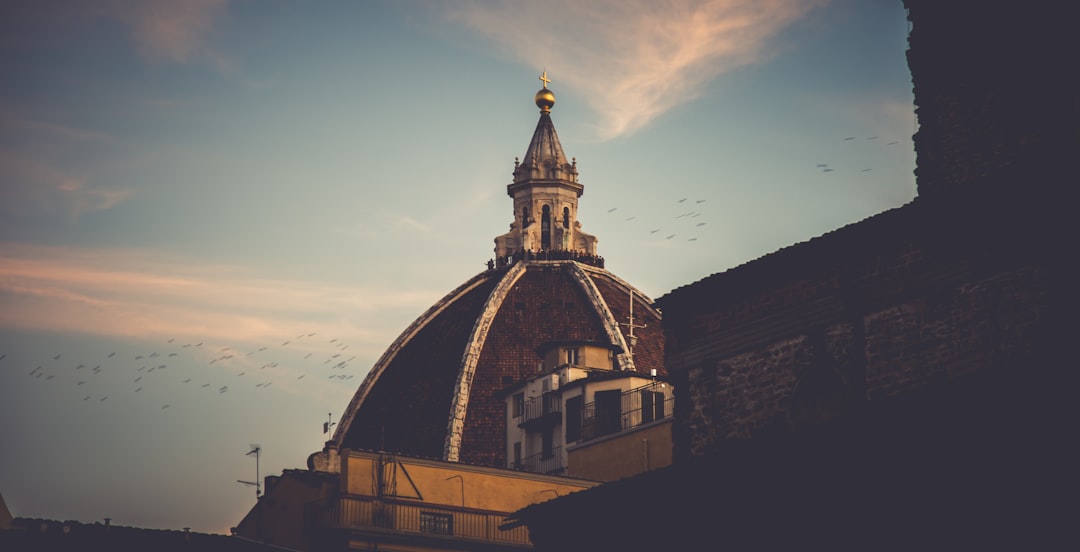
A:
[460, 401]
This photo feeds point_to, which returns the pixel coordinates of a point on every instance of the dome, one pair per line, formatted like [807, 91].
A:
[437, 390]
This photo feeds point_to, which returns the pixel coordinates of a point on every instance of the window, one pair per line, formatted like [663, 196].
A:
[573, 419]
[608, 412]
[545, 228]
[566, 217]
[547, 443]
[517, 455]
[652, 406]
[572, 357]
[519, 404]
[439, 524]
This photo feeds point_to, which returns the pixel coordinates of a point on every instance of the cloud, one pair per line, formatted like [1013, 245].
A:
[633, 59]
[139, 293]
[174, 31]
[36, 181]
[171, 30]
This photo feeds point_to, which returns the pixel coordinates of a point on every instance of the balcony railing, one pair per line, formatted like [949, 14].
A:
[638, 406]
[553, 463]
[547, 405]
[371, 514]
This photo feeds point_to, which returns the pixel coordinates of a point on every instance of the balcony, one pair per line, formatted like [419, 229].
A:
[636, 407]
[545, 410]
[375, 516]
[552, 464]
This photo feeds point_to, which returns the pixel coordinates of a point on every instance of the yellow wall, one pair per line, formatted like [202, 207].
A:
[623, 455]
[447, 483]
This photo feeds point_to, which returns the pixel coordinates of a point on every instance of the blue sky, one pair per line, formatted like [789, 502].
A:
[215, 214]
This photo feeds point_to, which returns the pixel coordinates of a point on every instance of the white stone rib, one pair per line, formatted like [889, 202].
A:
[646, 301]
[611, 326]
[391, 352]
[455, 425]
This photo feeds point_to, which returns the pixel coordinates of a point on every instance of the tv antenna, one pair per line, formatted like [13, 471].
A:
[329, 423]
[630, 324]
[255, 449]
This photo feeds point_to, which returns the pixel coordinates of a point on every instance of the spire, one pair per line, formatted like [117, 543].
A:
[545, 158]
[545, 191]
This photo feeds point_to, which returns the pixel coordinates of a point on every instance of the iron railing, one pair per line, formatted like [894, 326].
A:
[372, 514]
[539, 407]
[638, 406]
[550, 463]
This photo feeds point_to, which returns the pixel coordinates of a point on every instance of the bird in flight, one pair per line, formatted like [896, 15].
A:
[826, 170]
[849, 138]
[609, 210]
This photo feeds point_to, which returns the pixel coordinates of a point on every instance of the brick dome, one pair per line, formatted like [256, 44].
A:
[435, 391]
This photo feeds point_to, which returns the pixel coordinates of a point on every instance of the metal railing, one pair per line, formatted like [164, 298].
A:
[553, 463]
[365, 513]
[637, 407]
[545, 405]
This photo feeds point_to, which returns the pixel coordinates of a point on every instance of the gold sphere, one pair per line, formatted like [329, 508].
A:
[545, 99]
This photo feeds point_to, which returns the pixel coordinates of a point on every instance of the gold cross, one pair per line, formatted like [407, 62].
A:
[544, 79]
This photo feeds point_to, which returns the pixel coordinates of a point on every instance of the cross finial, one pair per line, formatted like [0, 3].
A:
[544, 79]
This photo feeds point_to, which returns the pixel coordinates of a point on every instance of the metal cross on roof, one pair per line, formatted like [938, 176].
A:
[544, 79]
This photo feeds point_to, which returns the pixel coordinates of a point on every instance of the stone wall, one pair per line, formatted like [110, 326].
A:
[970, 278]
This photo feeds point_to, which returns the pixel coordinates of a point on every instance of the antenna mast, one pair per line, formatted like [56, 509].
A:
[329, 423]
[630, 324]
[257, 484]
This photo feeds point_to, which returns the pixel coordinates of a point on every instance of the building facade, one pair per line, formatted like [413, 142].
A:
[381, 501]
[581, 417]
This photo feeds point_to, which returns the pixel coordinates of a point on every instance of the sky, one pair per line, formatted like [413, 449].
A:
[215, 215]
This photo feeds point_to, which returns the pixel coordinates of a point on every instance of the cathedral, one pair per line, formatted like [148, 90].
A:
[435, 392]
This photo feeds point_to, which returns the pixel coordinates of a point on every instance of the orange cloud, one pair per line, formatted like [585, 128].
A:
[633, 59]
[138, 293]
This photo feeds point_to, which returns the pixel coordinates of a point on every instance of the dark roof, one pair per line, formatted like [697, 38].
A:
[38, 535]
[909, 472]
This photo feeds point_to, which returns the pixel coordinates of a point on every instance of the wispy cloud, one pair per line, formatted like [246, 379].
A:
[633, 59]
[35, 179]
[176, 31]
[171, 30]
[138, 293]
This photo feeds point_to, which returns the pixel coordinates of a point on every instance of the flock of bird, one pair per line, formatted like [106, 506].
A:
[678, 225]
[197, 366]
[686, 223]
[826, 168]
